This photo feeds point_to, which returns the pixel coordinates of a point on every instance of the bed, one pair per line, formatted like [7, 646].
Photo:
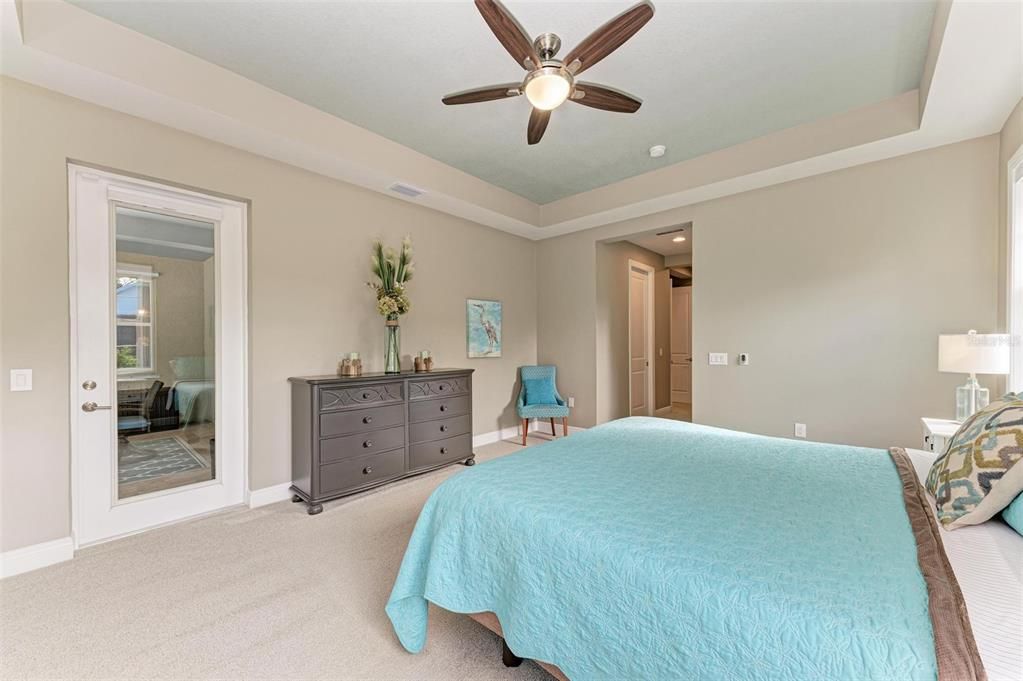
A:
[652, 549]
[193, 400]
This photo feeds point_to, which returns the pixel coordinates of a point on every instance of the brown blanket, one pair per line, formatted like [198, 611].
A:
[954, 646]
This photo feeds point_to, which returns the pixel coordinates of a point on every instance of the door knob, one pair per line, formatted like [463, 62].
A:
[92, 406]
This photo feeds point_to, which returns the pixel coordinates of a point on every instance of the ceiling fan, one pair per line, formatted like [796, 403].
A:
[550, 81]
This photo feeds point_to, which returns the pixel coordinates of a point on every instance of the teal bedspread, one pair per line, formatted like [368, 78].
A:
[650, 549]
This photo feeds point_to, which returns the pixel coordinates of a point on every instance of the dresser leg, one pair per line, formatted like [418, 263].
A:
[509, 658]
[314, 509]
[295, 498]
[471, 461]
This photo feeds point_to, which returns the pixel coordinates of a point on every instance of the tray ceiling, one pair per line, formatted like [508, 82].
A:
[711, 75]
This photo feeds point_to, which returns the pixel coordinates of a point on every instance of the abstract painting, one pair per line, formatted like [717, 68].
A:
[483, 327]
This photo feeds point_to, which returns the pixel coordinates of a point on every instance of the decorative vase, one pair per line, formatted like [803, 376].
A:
[392, 365]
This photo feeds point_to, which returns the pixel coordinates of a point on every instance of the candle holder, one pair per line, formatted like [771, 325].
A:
[350, 365]
[423, 362]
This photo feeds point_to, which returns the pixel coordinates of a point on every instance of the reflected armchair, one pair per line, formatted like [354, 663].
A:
[539, 398]
[135, 417]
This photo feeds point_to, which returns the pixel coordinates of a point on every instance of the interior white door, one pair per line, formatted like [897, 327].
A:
[681, 345]
[100, 511]
[640, 283]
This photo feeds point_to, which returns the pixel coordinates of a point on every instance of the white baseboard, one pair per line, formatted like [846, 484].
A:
[36, 556]
[515, 432]
[496, 436]
[269, 495]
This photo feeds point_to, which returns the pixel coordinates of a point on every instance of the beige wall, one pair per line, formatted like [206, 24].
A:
[612, 327]
[1009, 142]
[565, 320]
[309, 246]
[179, 301]
[837, 285]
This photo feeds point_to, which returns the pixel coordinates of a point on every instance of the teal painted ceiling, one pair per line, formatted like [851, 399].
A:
[710, 74]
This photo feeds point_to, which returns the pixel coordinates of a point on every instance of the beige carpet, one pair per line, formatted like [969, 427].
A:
[269, 593]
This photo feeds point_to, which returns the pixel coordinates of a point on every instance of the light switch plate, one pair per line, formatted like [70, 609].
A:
[571, 401]
[799, 430]
[717, 358]
[21, 379]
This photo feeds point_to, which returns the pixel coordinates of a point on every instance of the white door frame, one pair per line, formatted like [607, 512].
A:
[649, 310]
[92, 195]
[1014, 269]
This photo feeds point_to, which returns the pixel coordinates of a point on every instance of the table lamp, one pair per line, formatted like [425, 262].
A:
[973, 353]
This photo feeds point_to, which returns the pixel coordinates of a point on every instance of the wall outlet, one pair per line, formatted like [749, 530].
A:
[743, 359]
[21, 379]
[800, 430]
[571, 401]
[717, 358]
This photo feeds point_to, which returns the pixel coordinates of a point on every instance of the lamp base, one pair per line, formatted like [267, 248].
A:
[970, 398]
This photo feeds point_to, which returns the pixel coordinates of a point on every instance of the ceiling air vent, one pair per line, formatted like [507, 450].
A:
[406, 190]
[676, 230]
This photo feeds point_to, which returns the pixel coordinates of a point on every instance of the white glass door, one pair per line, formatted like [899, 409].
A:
[159, 421]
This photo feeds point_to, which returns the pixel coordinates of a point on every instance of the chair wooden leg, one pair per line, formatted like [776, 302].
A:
[554, 433]
[525, 428]
[564, 425]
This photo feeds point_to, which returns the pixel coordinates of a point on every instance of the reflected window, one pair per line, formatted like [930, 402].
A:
[134, 302]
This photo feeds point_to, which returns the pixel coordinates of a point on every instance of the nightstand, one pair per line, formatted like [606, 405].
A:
[937, 433]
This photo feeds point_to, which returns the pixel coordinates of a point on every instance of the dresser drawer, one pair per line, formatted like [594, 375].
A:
[428, 410]
[334, 398]
[438, 452]
[350, 446]
[360, 471]
[360, 420]
[441, 428]
[438, 387]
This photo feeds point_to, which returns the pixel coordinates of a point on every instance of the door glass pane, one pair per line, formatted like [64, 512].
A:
[164, 349]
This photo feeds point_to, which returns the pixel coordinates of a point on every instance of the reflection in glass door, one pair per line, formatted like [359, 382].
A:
[164, 351]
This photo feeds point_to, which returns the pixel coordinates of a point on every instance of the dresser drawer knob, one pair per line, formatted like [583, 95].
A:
[367, 444]
[443, 429]
[367, 419]
[441, 386]
[443, 450]
[365, 396]
[367, 470]
[443, 407]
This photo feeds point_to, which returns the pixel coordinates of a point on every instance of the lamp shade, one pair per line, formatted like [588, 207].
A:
[974, 353]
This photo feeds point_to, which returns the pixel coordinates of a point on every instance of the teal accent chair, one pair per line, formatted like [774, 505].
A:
[541, 411]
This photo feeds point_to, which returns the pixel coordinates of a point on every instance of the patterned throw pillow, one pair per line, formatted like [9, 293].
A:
[978, 475]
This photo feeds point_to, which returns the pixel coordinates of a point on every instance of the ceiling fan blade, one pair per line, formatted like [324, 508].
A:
[608, 37]
[484, 94]
[509, 33]
[605, 98]
[538, 120]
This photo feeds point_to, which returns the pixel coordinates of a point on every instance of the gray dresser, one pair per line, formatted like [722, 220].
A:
[351, 433]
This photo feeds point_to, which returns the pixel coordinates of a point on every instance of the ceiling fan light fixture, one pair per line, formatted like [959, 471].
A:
[548, 87]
